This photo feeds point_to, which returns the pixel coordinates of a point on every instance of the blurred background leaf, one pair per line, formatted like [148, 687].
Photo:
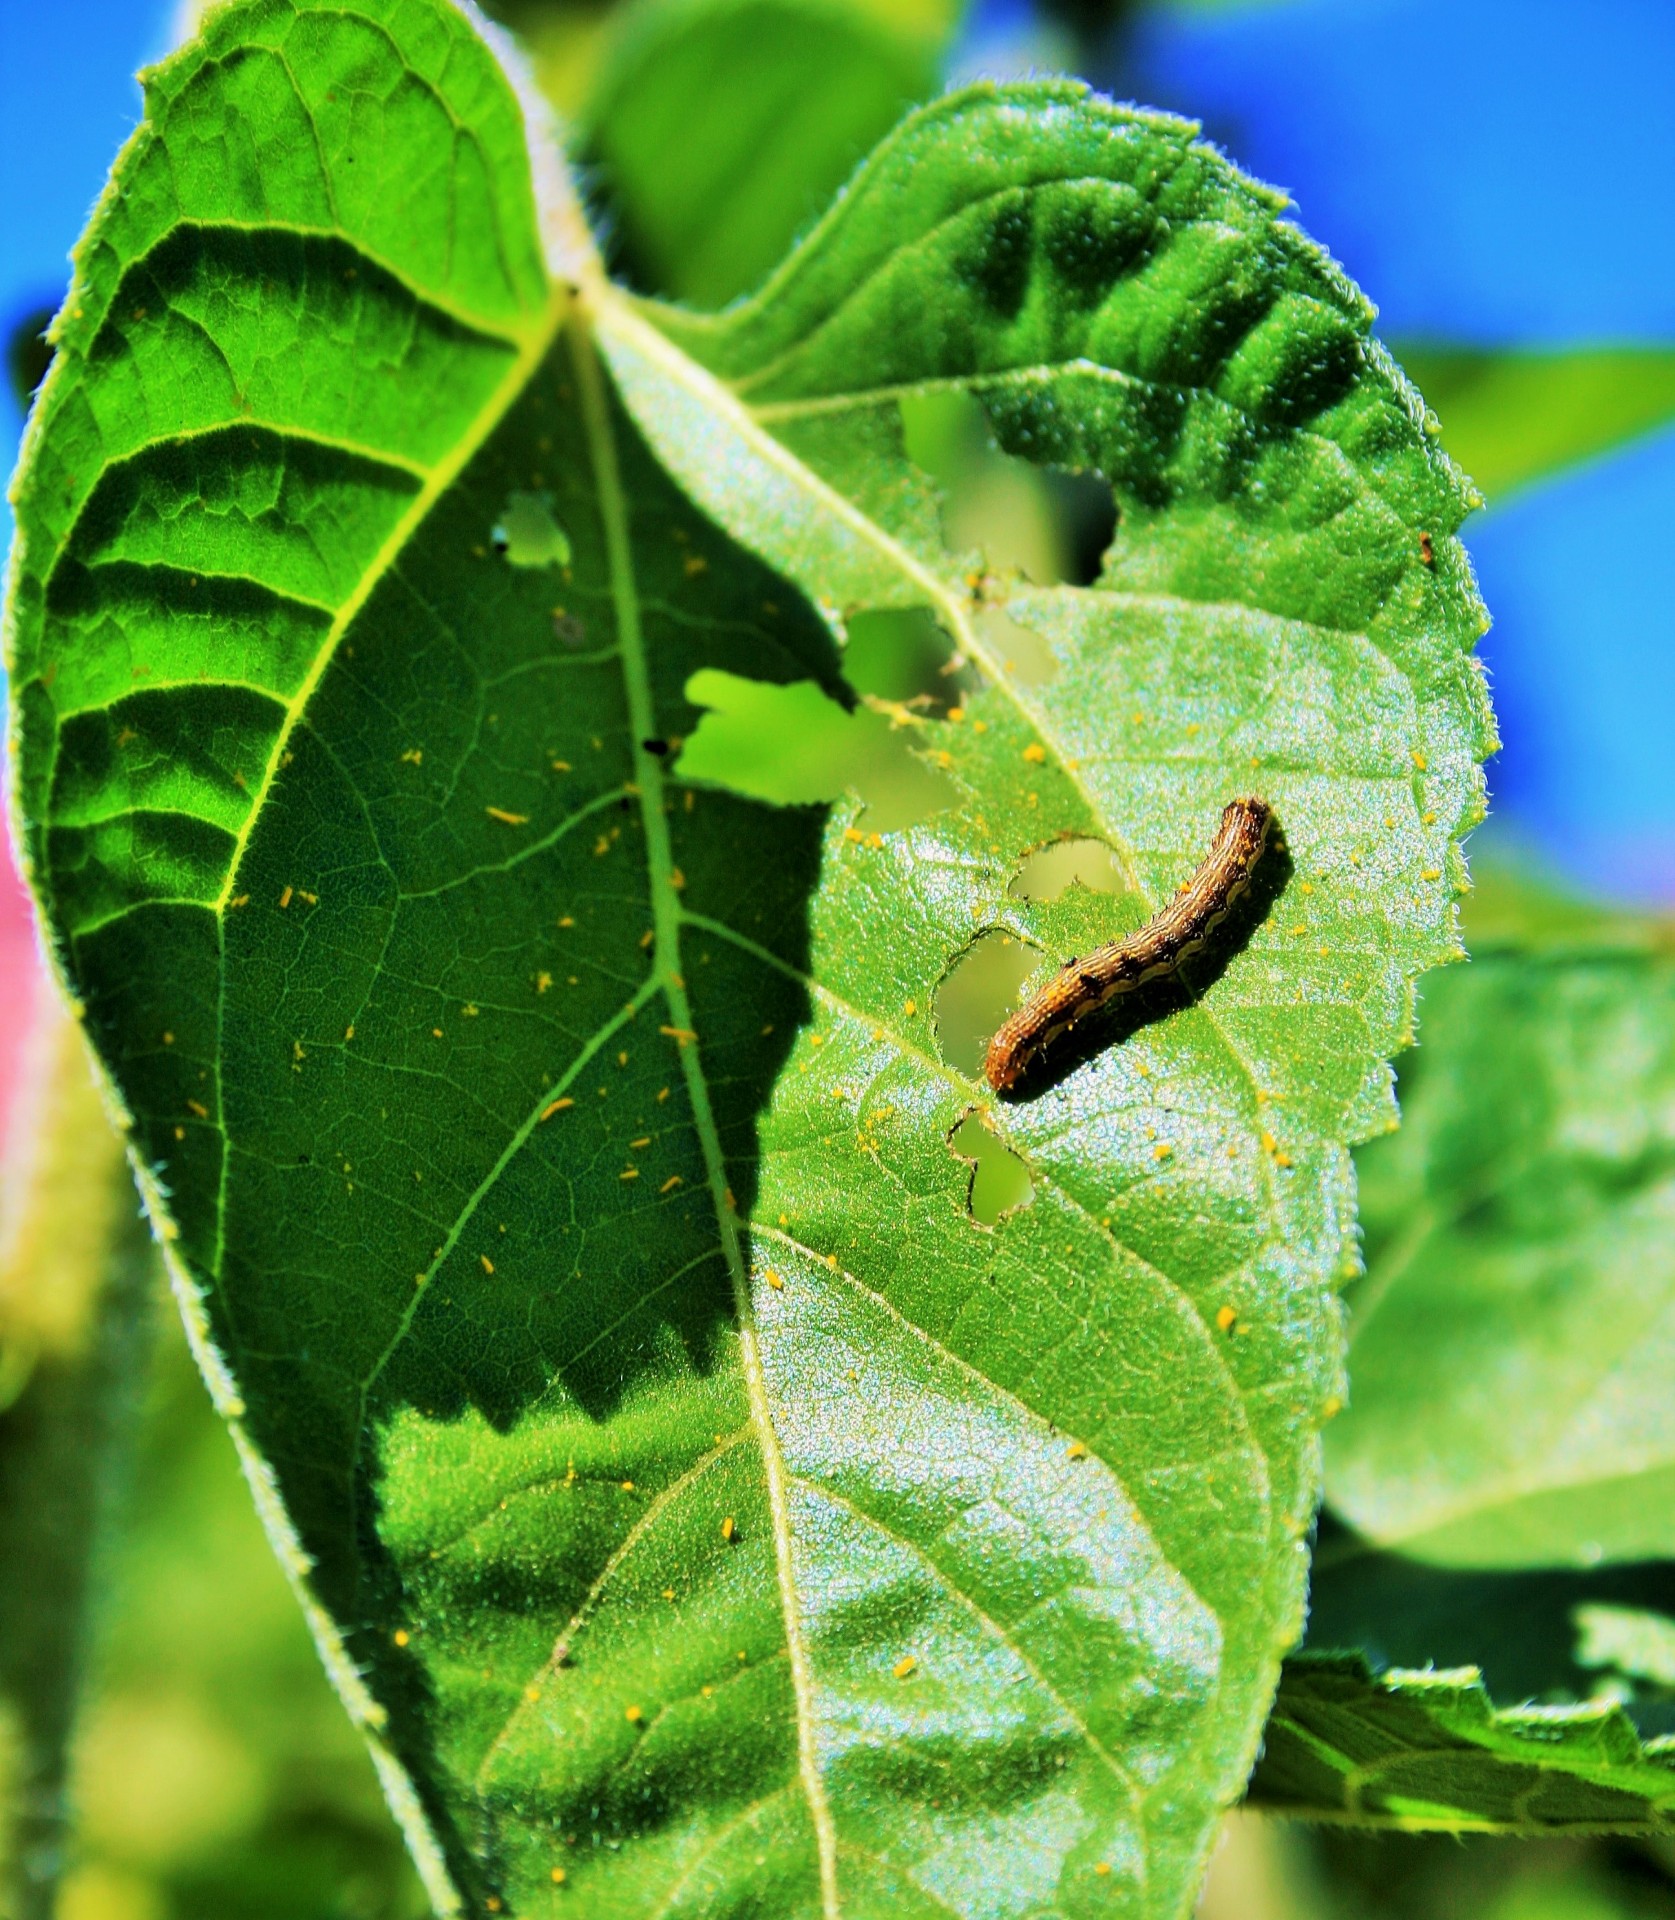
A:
[216, 1773]
[719, 129]
[75, 1262]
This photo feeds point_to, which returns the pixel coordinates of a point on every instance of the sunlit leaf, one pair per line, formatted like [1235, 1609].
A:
[707, 1499]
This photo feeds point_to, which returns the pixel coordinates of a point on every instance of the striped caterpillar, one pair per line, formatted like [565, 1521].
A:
[1082, 987]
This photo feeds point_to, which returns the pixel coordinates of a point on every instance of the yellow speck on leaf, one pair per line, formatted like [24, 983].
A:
[556, 1106]
[728, 1528]
[1225, 1316]
[488, 1264]
[1035, 753]
[904, 1666]
[507, 819]
[401, 1636]
[285, 898]
[1077, 1450]
[414, 756]
[774, 1280]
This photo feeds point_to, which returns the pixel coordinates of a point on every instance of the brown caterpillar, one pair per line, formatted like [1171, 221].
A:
[1083, 986]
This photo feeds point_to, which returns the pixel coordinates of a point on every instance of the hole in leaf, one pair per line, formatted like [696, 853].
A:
[1050, 524]
[1021, 651]
[1000, 1180]
[28, 354]
[1075, 862]
[529, 534]
[795, 746]
[900, 653]
[977, 993]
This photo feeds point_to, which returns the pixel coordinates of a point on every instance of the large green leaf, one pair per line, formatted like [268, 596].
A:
[699, 1507]
[1511, 1346]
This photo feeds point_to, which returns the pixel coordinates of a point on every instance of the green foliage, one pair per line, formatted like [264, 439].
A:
[1511, 1346]
[216, 1774]
[702, 1507]
[722, 127]
[1429, 1750]
[1503, 1456]
[74, 1267]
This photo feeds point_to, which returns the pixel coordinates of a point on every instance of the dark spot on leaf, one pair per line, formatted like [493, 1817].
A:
[1092, 235]
[999, 265]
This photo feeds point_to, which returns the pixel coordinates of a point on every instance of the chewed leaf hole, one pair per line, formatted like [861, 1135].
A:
[529, 534]
[1076, 862]
[795, 746]
[977, 993]
[1000, 1180]
[901, 653]
[1051, 524]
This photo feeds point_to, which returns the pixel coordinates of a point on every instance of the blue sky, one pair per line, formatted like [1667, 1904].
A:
[1495, 172]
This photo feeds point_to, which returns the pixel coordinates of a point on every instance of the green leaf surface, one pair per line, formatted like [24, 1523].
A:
[1511, 418]
[1511, 1343]
[720, 128]
[699, 1508]
[1428, 1750]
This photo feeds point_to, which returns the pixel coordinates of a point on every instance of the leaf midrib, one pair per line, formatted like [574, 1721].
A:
[667, 971]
